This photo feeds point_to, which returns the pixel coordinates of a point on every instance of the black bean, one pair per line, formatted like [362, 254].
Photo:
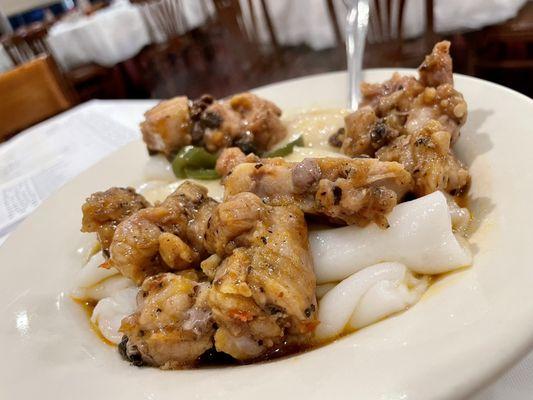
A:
[245, 142]
[197, 134]
[274, 309]
[309, 310]
[337, 195]
[337, 138]
[122, 347]
[130, 352]
[198, 106]
[210, 119]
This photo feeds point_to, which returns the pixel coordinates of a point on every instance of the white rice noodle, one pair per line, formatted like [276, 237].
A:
[158, 168]
[366, 297]
[420, 236]
[109, 312]
[89, 246]
[460, 216]
[386, 298]
[321, 290]
[91, 273]
[157, 191]
[93, 282]
[102, 289]
[300, 153]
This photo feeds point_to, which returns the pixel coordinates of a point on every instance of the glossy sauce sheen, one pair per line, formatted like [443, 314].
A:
[88, 308]
[316, 126]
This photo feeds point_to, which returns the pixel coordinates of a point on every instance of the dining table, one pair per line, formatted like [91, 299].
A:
[110, 35]
[118, 32]
[106, 37]
[40, 160]
[314, 29]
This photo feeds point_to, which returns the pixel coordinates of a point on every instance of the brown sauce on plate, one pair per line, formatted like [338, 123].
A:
[88, 308]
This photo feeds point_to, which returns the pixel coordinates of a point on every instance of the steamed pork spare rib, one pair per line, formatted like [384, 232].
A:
[252, 293]
[237, 276]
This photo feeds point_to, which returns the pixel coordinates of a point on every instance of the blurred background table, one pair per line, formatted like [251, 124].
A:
[106, 37]
[160, 48]
[308, 22]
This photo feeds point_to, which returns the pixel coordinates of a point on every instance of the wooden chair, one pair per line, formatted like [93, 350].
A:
[240, 43]
[26, 43]
[16, 49]
[89, 81]
[332, 14]
[165, 19]
[244, 28]
[253, 9]
[167, 27]
[30, 93]
[504, 46]
[175, 48]
[388, 47]
[503, 53]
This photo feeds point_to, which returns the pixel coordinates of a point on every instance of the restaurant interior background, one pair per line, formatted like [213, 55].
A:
[54, 55]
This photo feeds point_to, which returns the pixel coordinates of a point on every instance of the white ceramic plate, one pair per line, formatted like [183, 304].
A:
[469, 327]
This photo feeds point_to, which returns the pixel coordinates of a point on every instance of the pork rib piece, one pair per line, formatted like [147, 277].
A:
[408, 120]
[263, 291]
[245, 120]
[173, 325]
[261, 295]
[428, 157]
[166, 237]
[351, 191]
[103, 211]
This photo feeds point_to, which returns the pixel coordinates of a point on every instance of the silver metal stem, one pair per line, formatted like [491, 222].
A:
[356, 29]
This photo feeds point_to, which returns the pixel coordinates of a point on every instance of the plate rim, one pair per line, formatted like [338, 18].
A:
[496, 371]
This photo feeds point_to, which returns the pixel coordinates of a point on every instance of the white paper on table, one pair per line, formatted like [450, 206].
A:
[58, 154]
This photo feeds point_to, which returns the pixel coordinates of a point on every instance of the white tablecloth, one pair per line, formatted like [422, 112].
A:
[117, 33]
[106, 37]
[111, 35]
[307, 21]
[193, 14]
[120, 119]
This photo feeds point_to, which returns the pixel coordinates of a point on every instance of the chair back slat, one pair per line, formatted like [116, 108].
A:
[270, 26]
[164, 16]
[246, 28]
[27, 43]
[30, 93]
[334, 21]
[386, 20]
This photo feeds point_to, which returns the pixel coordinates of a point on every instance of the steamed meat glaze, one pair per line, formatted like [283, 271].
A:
[235, 275]
[259, 282]
[166, 237]
[351, 191]
[421, 235]
[426, 154]
[414, 122]
[263, 295]
[172, 326]
[245, 120]
[103, 211]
